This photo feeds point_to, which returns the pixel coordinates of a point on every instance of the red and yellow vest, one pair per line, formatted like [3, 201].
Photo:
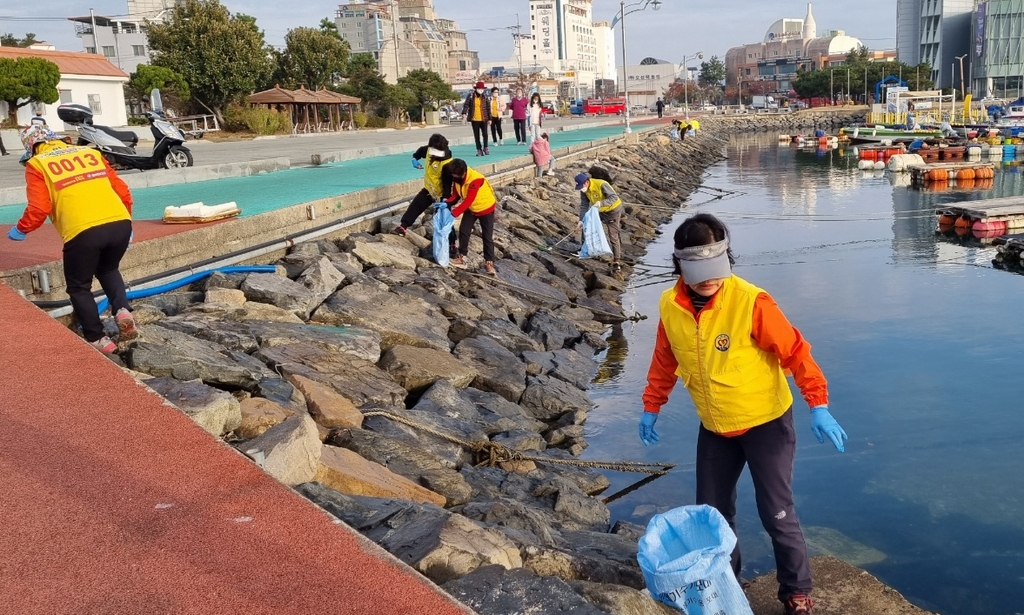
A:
[80, 192]
[735, 385]
[485, 198]
[594, 194]
[432, 177]
[478, 109]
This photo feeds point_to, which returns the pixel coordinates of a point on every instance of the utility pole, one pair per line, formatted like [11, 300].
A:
[394, 36]
[95, 40]
[518, 36]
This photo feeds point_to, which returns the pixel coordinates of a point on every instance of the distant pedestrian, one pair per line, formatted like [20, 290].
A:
[91, 208]
[596, 191]
[660, 106]
[3, 150]
[535, 117]
[435, 188]
[477, 109]
[476, 199]
[519, 104]
[541, 150]
[497, 109]
[911, 119]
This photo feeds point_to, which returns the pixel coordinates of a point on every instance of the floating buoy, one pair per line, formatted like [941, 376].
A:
[867, 154]
[865, 165]
[962, 223]
[965, 174]
[879, 166]
[996, 226]
[947, 220]
[785, 138]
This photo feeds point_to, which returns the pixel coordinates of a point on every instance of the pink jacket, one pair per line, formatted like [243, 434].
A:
[519, 107]
[541, 150]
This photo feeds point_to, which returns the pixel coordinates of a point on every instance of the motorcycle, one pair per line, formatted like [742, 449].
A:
[118, 146]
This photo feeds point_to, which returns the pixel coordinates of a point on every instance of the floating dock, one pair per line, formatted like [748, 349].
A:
[996, 217]
[946, 171]
[1009, 250]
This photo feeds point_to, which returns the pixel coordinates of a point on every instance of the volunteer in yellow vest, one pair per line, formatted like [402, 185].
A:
[730, 344]
[596, 191]
[91, 208]
[475, 198]
[477, 109]
[437, 184]
[497, 109]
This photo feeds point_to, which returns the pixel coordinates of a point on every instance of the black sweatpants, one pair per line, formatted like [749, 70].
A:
[496, 131]
[769, 449]
[96, 253]
[3, 150]
[480, 128]
[419, 204]
[486, 229]
[520, 128]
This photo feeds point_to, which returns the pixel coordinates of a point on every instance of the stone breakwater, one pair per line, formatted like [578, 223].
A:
[785, 123]
[360, 370]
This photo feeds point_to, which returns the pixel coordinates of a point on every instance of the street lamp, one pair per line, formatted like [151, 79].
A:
[686, 81]
[636, 6]
[963, 95]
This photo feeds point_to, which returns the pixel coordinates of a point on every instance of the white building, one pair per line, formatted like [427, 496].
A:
[85, 78]
[122, 41]
[649, 80]
[937, 32]
[606, 62]
[567, 40]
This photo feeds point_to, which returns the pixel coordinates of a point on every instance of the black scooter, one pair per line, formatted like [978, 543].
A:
[118, 146]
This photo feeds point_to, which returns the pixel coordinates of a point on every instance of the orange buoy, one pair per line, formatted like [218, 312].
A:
[966, 184]
[964, 174]
[962, 223]
[947, 220]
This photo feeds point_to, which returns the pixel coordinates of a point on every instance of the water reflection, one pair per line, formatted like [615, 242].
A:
[921, 340]
[613, 362]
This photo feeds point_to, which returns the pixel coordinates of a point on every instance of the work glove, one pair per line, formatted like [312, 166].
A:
[416, 164]
[579, 224]
[647, 433]
[822, 424]
[15, 234]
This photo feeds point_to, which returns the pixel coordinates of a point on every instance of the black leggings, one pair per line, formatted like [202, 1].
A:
[496, 130]
[486, 229]
[480, 128]
[520, 128]
[96, 252]
[419, 204]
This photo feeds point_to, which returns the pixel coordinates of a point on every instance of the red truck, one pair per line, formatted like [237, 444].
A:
[599, 106]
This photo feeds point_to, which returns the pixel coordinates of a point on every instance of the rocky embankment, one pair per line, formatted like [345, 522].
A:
[786, 123]
[437, 411]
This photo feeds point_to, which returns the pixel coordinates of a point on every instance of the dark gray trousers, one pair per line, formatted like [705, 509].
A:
[769, 449]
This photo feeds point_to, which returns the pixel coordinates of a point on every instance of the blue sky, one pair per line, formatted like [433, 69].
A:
[680, 27]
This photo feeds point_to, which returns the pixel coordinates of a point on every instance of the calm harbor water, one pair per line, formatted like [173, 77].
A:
[922, 341]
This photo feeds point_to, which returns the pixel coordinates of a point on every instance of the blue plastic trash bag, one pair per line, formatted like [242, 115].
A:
[443, 224]
[685, 556]
[595, 243]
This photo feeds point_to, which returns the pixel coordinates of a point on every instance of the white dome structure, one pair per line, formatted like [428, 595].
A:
[810, 27]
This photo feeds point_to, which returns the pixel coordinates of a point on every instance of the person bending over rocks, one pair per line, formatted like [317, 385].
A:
[596, 191]
[476, 198]
[436, 181]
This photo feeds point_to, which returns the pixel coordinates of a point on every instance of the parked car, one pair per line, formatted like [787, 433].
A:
[548, 108]
[797, 104]
[708, 108]
[638, 110]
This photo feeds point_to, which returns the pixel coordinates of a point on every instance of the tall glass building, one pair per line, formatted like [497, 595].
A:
[997, 38]
[937, 32]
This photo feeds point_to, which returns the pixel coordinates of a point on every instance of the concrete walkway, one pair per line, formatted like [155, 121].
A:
[114, 502]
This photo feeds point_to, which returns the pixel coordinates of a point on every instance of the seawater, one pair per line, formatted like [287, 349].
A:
[922, 342]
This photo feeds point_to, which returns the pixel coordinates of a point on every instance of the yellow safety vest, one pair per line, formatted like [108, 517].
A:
[478, 109]
[594, 194]
[735, 385]
[80, 190]
[495, 111]
[485, 198]
[432, 177]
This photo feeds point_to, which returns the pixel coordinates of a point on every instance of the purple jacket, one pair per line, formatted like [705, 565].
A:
[519, 106]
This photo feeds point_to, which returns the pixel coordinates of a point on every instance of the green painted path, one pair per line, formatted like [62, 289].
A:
[272, 191]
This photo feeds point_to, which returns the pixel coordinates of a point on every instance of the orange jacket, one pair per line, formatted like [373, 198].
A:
[771, 331]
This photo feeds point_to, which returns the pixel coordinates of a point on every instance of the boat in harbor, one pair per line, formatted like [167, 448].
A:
[878, 134]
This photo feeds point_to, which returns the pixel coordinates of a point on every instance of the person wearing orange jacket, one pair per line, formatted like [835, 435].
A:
[475, 198]
[731, 345]
[91, 208]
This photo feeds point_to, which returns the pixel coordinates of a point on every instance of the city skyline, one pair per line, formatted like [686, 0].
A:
[668, 34]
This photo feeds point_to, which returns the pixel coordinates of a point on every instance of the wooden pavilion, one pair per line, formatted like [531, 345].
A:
[310, 110]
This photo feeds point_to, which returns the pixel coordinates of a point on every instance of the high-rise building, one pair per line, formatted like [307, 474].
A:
[996, 68]
[942, 31]
[460, 58]
[123, 40]
[567, 41]
[605, 37]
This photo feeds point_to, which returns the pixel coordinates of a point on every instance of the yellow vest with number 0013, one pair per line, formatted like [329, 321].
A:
[432, 177]
[485, 198]
[80, 190]
[594, 194]
[735, 385]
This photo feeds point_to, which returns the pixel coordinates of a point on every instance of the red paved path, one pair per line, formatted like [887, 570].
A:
[111, 502]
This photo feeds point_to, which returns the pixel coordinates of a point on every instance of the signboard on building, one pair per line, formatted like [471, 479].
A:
[546, 28]
[892, 99]
[979, 30]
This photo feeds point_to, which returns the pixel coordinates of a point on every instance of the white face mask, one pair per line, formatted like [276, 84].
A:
[479, 91]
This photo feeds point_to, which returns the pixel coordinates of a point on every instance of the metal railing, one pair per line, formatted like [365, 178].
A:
[196, 126]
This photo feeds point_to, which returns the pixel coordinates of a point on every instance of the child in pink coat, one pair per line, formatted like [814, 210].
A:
[541, 150]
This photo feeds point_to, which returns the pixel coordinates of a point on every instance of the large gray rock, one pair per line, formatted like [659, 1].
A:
[392, 276]
[174, 303]
[289, 451]
[604, 558]
[453, 453]
[216, 411]
[492, 590]
[233, 335]
[575, 509]
[457, 307]
[357, 342]
[398, 319]
[294, 264]
[489, 412]
[523, 286]
[361, 382]
[416, 369]
[548, 398]
[165, 352]
[441, 545]
[322, 279]
[373, 254]
[501, 330]
[620, 600]
[561, 268]
[280, 291]
[498, 370]
[508, 513]
[552, 332]
[564, 364]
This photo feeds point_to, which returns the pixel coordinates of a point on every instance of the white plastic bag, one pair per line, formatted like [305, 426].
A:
[595, 243]
[685, 556]
[443, 224]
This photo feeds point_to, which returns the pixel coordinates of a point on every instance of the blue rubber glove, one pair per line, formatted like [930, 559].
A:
[416, 164]
[822, 424]
[647, 433]
[15, 234]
